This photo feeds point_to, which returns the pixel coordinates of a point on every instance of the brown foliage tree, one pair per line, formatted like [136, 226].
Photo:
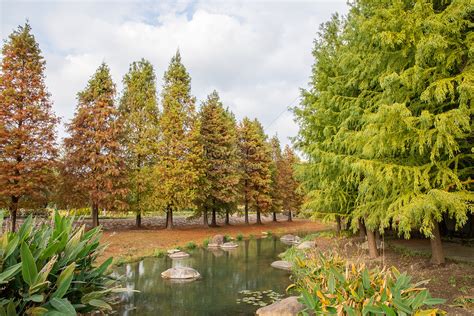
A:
[27, 122]
[93, 152]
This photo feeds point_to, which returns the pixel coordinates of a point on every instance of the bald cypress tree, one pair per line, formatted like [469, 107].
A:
[139, 115]
[93, 154]
[392, 117]
[255, 157]
[289, 185]
[276, 176]
[219, 188]
[179, 151]
[27, 123]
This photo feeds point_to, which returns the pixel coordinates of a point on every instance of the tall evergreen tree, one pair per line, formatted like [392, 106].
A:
[179, 165]
[139, 115]
[290, 194]
[27, 122]
[388, 118]
[277, 179]
[218, 132]
[93, 153]
[255, 166]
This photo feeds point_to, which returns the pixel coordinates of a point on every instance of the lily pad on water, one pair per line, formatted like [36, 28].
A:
[259, 298]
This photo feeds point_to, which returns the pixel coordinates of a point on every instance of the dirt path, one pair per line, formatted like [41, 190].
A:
[133, 243]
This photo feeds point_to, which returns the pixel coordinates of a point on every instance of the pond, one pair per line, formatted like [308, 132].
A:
[224, 273]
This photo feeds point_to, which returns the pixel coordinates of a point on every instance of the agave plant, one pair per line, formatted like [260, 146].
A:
[48, 269]
[330, 286]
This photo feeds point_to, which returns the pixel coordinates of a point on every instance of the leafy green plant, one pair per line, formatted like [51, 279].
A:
[159, 253]
[205, 242]
[48, 269]
[239, 237]
[191, 245]
[329, 285]
[227, 238]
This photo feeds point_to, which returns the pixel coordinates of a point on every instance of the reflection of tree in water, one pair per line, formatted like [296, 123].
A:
[224, 274]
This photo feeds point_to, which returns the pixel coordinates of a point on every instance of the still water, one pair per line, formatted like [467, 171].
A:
[223, 274]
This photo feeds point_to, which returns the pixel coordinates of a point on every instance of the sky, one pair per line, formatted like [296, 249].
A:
[256, 54]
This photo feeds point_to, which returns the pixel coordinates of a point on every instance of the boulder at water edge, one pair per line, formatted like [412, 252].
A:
[180, 273]
[178, 255]
[282, 264]
[286, 307]
[217, 239]
[229, 245]
[290, 239]
[171, 251]
[306, 245]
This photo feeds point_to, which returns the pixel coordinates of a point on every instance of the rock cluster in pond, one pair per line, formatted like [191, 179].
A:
[180, 273]
[308, 244]
[229, 245]
[171, 251]
[286, 307]
[216, 241]
[282, 264]
[290, 239]
[178, 255]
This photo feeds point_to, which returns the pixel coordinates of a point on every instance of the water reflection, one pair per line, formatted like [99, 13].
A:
[224, 273]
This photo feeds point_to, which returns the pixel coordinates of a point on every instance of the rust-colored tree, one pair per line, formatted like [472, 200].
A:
[93, 153]
[255, 157]
[27, 122]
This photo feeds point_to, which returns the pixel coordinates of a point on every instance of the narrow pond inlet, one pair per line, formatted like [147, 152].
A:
[233, 281]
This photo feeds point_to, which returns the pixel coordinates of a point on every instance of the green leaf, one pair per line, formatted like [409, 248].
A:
[434, 301]
[26, 228]
[419, 299]
[331, 283]
[402, 306]
[11, 246]
[63, 306]
[37, 298]
[9, 272]
[388, 310]
[100, 303]
[11, 309]
[365, 279]
[29, 270]
[64, 281]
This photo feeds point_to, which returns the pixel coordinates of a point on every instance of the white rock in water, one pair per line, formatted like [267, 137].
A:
[171, 251]
[178, 255]
[306, 245]
[282, 264]
[180, 273]
[212, 245]
[286, 307]
[290, 239]
[229, 245]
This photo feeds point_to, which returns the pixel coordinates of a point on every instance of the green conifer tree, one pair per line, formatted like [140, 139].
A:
[389, 112]
[219, 188]
[277, 179]
[179, 151]
[139, 115]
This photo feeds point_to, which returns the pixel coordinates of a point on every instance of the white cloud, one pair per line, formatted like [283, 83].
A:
[256, 54]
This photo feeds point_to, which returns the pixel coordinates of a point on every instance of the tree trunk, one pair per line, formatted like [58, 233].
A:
[227, 217]
[372, 244]
[377, 237]
[138, 220]
[339, 225]
[275, 217]
[95, 214]
[213, 219]
[169, 219]
[246, 212]
[437, 253]
[13, 211]
[362, 231]
[259, 219]
[290, 218]
[204, 219]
